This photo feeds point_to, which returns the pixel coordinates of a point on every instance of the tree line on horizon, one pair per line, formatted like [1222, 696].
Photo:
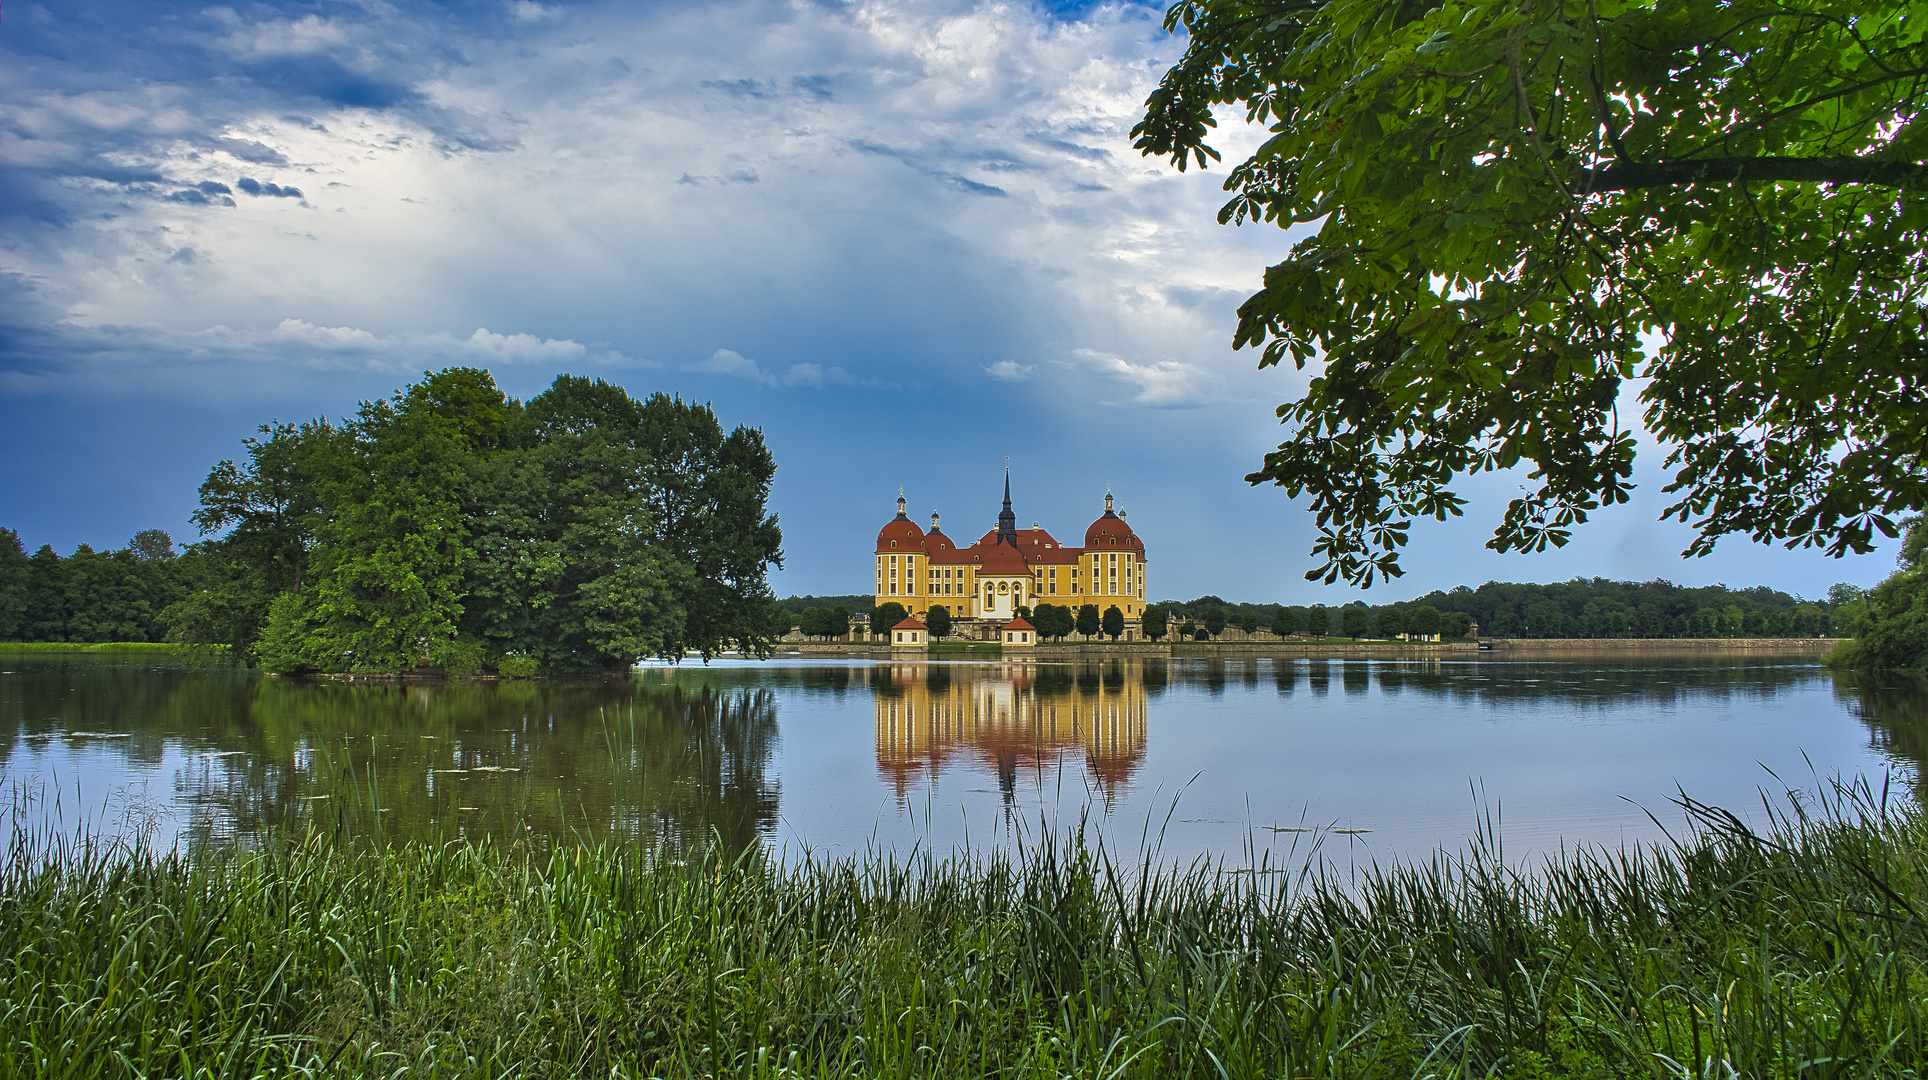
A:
[449, 526]
[1579, 608]
[130, 593]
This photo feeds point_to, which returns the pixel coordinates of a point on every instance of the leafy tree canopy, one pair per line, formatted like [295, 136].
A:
[451, 524]
[1891, 620]
[1088, 619]
[1518, 207]
[1288, 620]
[1054, 620]
[1155, 622]
[885, 616]
[938, 618]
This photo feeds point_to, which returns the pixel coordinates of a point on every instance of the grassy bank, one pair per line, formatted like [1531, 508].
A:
[1797, 953]
[966, 648]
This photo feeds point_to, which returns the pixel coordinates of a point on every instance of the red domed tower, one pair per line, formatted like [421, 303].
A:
[1114, 568]
[901, 561]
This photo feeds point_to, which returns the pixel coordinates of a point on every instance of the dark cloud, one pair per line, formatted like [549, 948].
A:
[966, 184]
[206, 193]
[325, 79]
[256, 188]
[926, 163]
[740, 88]
[1089, 153]
[251, 151]
[821, 87]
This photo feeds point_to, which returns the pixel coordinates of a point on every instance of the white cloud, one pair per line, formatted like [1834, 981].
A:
[1009, 371]
[1161, 384]
[735, 364]
[806, 375]
[297, 37]
[527, 11]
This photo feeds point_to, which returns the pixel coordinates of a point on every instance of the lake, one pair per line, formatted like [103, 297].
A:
[1357, 759]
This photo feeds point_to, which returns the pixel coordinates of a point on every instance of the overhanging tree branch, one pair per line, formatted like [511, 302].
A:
[1634, 176]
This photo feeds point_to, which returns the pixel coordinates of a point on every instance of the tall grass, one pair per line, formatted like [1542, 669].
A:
[1794, 951]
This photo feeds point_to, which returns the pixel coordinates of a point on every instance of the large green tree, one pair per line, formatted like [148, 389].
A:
[391, 548]
[565, 566]
[260, 514]
[450, 524]
[1892, 633]
[1512, 209]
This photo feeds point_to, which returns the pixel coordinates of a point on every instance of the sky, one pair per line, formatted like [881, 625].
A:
[910, 241]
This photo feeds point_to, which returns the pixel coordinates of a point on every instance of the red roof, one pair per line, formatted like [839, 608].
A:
[1019, 624]
[910, 623]
[998, 559]
[904, 531]
[1110, 532]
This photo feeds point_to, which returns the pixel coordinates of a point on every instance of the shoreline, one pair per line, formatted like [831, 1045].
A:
[992, 652]
[1458, 650]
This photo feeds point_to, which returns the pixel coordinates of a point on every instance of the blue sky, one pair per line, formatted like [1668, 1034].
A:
[907, 240]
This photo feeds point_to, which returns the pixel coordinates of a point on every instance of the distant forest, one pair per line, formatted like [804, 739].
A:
[93, 595]
[1581, 608]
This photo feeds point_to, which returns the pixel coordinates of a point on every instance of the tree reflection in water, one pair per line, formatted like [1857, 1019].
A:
[1895, 709]
[659, 764]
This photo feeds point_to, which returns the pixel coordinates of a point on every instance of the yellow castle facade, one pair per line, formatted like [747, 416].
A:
[984, 583]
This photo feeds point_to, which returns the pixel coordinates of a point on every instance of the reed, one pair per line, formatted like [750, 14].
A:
[1793, 951]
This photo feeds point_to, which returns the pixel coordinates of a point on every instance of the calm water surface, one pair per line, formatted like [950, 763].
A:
[1367, 758]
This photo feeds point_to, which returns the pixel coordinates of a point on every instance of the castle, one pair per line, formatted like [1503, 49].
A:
[984, 584]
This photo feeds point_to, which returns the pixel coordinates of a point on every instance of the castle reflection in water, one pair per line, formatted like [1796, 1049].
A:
[1013, 719]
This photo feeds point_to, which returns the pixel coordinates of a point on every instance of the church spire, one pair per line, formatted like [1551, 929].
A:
[1007, 522]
